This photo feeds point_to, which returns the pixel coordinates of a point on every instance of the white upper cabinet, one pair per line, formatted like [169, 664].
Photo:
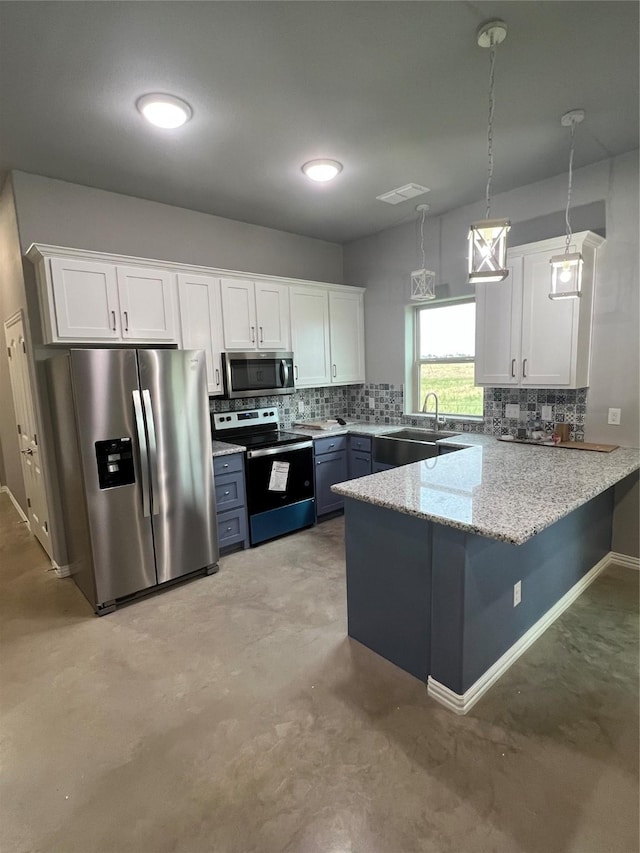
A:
[310, 336]
[327, 329]
[524, 338]
[255, 314]
[201, 322]
[84, 297]
[346, 323]
[146, 304]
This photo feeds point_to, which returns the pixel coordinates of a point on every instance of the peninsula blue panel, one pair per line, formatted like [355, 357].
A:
[389, 584]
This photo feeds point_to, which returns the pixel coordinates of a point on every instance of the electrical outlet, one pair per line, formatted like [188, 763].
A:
[512, 410]
[301, 407]
[517, 593]
[614, 416]
[547, 413]
[372, 403]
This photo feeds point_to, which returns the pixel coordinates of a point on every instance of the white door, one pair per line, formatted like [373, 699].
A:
[238, 313]
[498, 322]
[85, 295]
[549, 328]
[272, 314]
[346, 323]
[310, 336]
[30, 453]
[146, 304]
[201, 322]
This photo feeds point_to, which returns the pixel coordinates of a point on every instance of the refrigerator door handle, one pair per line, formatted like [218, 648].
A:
[153, 452]
[144, 456]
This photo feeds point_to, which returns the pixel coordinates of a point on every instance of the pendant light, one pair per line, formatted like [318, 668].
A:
[423, 281]
[566, 269]
[488, 237]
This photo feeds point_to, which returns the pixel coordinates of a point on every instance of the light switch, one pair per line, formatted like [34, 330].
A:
[547, 413]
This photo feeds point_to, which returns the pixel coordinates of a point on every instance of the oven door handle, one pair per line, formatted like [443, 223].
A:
[284, 373]
[279, 449]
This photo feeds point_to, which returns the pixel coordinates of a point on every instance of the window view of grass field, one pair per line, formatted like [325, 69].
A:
[446, 333]
[453, 383]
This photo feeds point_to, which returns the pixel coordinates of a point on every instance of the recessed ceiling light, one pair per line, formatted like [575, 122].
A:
[165, 111]
[322, 170]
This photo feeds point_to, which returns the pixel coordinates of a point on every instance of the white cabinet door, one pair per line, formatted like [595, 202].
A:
[146, 304]
[238, 313]
[498, 320]
[549, 328]
[201, 322]
[310, 336]
[272, 312]
[85, 297]
[346, 323]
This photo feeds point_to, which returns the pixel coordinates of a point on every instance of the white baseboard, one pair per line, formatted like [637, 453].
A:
[461, 703]
[624, 560]
[61, 571]
[17, 506]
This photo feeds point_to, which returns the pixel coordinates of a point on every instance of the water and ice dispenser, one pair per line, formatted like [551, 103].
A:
[115, 462]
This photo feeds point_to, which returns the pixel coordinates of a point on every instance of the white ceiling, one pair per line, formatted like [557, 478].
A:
[397, 91]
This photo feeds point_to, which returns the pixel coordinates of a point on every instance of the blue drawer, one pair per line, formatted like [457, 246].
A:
[227, 464]
[232, 527]
[330, 444]
[360, 442]
[229, 491]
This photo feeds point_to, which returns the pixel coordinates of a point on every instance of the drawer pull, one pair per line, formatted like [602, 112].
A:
[225, 494]
[225, 465]
[229, 529]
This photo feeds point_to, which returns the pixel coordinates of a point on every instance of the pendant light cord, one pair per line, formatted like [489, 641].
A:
[424, 212]
[566, 215]
[492, 64]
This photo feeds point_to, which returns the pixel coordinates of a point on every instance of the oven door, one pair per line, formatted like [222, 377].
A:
[254, 374]
[280, 496]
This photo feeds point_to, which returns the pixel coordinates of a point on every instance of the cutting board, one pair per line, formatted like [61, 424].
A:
[325, 424]
[586, 445]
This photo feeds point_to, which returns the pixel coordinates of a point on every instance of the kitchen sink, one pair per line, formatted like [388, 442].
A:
[419, 434]
[407, 445]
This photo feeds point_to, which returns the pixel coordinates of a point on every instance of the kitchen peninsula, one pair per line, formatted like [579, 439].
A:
[438, 551]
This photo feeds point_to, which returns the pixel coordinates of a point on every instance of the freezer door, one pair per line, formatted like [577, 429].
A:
[105, 385]
[183, 514]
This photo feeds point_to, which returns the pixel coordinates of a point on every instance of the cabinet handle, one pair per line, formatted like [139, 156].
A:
[228, 530]
[253, 334]
[332, 445]
[524, 368]
[513, 368]
[113, 321]
[217, 377]
[226, 494]
[226, 465]
[295, 367]
[335, 372]
[126, 321]
[261, 335]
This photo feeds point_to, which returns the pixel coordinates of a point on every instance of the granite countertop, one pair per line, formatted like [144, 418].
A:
[221, 448]
[350, 428]
[495, 489]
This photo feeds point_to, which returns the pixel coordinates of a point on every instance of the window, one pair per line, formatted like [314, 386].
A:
[445, 354]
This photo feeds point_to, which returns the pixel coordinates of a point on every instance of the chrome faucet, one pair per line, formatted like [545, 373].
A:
[424, 408]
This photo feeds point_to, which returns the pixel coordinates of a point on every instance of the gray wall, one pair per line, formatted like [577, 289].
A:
[64, 214]
[383, 262]
[12, 298]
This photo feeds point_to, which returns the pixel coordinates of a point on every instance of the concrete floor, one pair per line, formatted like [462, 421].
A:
[233, 715]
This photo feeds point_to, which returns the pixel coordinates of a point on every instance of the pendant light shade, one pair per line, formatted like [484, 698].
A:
[488, 237]
[423, 281]
[488, 250]
[566, 269]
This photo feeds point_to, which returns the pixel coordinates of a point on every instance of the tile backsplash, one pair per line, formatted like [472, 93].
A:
[352, 401]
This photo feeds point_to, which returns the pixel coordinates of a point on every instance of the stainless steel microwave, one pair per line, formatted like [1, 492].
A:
[257, 374]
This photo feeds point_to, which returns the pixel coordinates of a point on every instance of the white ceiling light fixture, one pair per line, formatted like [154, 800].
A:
[423, 281]
[566, 269]
[322, 170]
[165, 111]
[488, 237]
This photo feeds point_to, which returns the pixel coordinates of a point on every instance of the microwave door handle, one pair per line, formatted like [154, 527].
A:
[144, 455]
[153, 452]
[284, 373]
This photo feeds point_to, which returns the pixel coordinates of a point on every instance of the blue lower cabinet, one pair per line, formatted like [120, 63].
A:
[359, 464]
[231, 501]
[330, 468]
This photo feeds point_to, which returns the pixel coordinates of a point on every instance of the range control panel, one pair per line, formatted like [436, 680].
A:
[115, 462]
[246, 419]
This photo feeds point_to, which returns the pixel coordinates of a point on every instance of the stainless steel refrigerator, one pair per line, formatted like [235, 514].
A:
[135, 471]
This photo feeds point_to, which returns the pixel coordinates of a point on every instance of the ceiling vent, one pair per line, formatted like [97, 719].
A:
[402, 193]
